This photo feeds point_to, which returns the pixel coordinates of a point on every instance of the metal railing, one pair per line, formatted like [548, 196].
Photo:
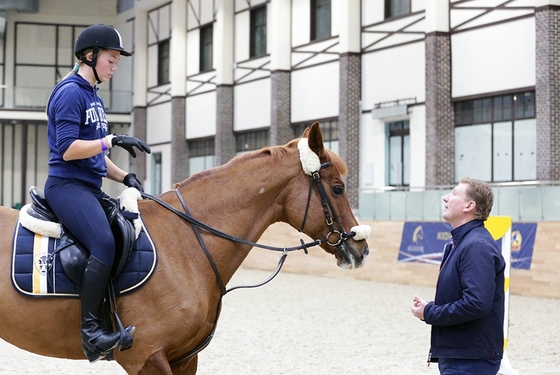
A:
[34, 98]
[528, 201]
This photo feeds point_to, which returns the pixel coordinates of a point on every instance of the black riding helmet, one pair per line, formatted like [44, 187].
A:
[96, 37]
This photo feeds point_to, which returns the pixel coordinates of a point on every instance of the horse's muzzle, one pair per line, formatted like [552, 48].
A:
[349, 258]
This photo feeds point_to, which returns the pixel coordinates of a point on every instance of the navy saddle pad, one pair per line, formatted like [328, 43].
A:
[37, 271]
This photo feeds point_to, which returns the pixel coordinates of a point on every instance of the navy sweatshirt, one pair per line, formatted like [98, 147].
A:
[75, 111]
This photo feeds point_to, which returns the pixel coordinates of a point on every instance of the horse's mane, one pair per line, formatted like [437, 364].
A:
[274, 152]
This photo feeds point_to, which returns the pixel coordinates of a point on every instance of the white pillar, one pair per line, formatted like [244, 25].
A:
[437, 16]
[350, 26]
[223, 42]
[280, 34]
[543, 3]
[140, 75]
[178, 48]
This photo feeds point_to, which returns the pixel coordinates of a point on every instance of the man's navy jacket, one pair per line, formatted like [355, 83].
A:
[467, 314]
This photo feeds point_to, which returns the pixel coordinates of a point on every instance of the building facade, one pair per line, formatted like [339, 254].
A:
[412, 94]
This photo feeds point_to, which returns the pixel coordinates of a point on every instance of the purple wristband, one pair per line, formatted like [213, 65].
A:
[103, 146]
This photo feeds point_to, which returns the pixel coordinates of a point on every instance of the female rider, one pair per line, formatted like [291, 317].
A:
[78, 141]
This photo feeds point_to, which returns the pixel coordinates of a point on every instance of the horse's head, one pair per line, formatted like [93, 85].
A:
[323, 212]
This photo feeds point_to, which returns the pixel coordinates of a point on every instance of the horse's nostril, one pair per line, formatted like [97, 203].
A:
[366, 252]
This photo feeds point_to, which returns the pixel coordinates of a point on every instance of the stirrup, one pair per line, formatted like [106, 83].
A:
[126, 340]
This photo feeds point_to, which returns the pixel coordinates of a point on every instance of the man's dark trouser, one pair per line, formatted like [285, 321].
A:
[451, 366]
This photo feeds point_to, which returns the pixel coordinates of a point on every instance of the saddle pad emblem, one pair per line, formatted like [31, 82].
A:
[43, 263]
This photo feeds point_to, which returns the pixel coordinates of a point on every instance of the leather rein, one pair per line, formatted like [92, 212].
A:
[330, 219]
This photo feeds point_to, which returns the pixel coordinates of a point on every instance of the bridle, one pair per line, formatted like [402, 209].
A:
[328, 210]
[330, 219]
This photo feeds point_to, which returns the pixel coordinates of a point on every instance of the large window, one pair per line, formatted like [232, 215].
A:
[201, 155]
[394, 8]
[249, 141]
[496, 138]
[320, 19]
[329, 129]
[258, 32]
[163, 62]
[399, 153]
[34, 77]
[206, 47]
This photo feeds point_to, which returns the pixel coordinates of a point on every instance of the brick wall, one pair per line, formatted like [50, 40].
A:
[349, 121]
[139, 130]
[547, 24]
[440, 146]
[179, 149]
[225, 138]
[280, 129]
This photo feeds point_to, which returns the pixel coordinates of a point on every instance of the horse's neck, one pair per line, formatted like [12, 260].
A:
[236, 200]
[240, 200]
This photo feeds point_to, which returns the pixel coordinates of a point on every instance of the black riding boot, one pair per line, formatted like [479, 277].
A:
[96, 342]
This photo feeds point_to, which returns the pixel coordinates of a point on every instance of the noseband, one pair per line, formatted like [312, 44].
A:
[328, 209]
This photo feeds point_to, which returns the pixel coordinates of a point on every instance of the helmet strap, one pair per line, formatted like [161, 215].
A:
[95, 74]
[93, 62]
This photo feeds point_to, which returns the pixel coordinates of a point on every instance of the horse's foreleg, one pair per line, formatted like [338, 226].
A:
[158, 364]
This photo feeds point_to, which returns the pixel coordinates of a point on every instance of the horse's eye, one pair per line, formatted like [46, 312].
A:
[337, 190]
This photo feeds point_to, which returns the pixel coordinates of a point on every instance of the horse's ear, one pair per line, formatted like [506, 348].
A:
[315, 139]
[305, 133]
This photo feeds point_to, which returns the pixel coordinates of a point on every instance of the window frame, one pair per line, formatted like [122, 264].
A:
[258, 32]
[163, 74]
[390, 12]
[399, 129]
[495, 111]
[317, 22]
[156, 175]
[206, 57]
[57, 58]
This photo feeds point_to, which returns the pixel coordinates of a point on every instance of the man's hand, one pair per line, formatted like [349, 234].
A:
[418, 305]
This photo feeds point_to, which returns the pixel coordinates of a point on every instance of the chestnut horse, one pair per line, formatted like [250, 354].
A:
[177, 309]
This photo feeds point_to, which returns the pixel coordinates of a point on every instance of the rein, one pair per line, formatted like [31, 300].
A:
[199, 224]
[223, 289]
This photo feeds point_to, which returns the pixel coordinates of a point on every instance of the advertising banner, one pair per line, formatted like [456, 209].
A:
[424, 241]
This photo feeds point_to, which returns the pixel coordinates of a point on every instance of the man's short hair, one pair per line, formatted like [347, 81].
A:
[482, 194]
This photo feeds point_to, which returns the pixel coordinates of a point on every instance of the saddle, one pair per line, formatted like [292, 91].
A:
[73, 256]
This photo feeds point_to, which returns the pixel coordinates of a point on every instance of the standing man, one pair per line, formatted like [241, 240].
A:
[468, 311]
